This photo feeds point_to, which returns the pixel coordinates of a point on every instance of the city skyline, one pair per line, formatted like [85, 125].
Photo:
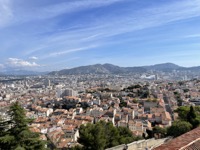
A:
[62, 34]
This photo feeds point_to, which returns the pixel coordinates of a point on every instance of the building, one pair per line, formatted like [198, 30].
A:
[47, 83]
[65, 92]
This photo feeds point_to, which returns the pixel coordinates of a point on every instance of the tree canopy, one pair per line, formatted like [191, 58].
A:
[178, 128]
[104, 135]
[15, 133]
[161, 132]
[189, 118]
[190, 114]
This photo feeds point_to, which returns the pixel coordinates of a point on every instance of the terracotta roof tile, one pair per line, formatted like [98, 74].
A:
[182, 142]
[193, 146]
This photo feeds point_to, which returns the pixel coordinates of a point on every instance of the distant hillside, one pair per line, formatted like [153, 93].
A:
[169, 67]
[99, 69]
[163, 67]
[112, 69]
[22, 72]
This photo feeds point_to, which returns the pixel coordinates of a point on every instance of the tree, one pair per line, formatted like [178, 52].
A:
[125, 135]
[135, 100]
[178, 128]
[92, 137]
[16, 134]
[123, 103]
[182, 112]
[111, 134]
[160, 131]
[186, 90]
[77, 147]
[181, 83]
[104, 135]
[192, 117]
[178, 98]
[190, 114]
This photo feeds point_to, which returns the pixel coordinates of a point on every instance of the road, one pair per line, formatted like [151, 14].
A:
[167, 105]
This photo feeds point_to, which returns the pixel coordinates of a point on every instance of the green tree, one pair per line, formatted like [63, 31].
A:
[178, 128]
[104, 135]
[16, 134]
[111, 134]
[193, 118]
[135, 100]
[190, 114]
[186, 90]
[182, 112]
[123, 103]
[125, 135]
[92, 137]
[77, 147]
[158, 130]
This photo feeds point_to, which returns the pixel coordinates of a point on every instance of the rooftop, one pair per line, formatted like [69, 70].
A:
[183, 142]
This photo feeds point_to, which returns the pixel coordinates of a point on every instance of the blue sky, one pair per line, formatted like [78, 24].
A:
[47, 35]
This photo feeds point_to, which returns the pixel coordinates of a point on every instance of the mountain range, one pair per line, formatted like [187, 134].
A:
[21, 73]
[107, 69]
[113, 69]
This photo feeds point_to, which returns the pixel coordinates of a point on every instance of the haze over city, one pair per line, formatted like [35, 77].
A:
[53, 35]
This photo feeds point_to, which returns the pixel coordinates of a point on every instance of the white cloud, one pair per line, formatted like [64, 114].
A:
[41, 12]
[75, 6]
[70, 51]
[5, 12]
[15, 62]
[193, 36]
[33, 58]
[112, 25]
[149, 17]
[103, 27]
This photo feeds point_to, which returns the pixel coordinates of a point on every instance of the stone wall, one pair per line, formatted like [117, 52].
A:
[141, 145]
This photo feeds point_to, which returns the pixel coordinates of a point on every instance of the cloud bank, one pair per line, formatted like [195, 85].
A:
[19, 63]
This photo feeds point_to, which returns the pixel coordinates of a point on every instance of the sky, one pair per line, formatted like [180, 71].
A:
[47, 35]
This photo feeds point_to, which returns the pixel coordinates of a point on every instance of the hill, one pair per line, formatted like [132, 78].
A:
[22, 73]
[113, 69]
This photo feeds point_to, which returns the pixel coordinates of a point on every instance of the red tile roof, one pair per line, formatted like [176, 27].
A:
[182, 142]
[193, 146]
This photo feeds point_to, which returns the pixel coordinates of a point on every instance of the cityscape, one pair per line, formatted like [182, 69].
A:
[99, 75]
[60, 104]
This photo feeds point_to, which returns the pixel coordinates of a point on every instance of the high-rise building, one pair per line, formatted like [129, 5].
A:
[65, 92]
[70, 92]
[47, 82]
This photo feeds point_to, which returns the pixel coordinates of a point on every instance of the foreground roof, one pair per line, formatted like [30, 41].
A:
[187, 141]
